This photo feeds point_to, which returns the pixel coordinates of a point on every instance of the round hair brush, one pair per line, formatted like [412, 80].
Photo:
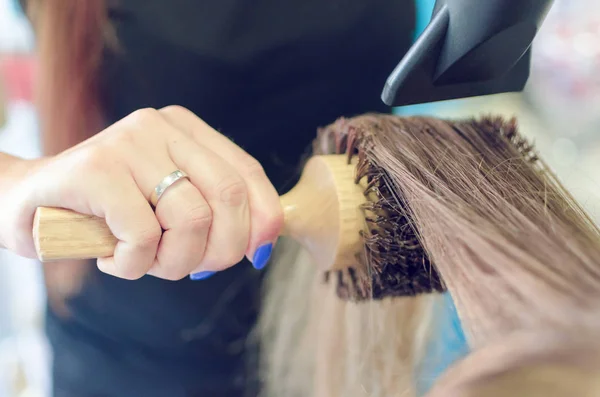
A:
[322, 213]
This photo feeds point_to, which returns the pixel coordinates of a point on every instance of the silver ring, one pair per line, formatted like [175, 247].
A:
[167, 182]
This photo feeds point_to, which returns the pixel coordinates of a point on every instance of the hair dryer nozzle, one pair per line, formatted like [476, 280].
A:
[470, 48]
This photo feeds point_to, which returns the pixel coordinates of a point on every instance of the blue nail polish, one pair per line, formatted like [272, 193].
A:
[201, 275]
[261, 256]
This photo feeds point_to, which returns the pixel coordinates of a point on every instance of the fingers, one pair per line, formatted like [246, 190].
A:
[227, 209]
[133, 223]
[182, 213]
[226, 193]
[95, 185]
[266, 216]
[206, 219]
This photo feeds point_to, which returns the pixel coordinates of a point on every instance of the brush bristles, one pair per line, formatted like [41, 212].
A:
[397, 263]
[393, 263]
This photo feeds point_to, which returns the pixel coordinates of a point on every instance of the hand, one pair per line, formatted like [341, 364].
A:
[226, 210]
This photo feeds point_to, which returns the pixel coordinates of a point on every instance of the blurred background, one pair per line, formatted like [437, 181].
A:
[559, 111]
[24, 354]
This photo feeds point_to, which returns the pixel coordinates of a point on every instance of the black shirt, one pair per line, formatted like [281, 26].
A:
[266, 73]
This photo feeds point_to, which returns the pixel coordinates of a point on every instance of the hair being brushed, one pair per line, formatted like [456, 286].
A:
[516, 252]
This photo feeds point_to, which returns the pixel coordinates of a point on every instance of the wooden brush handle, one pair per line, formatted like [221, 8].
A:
[64, 234]
[321, 212]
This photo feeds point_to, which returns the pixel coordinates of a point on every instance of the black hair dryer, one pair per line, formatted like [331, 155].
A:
[469, 48]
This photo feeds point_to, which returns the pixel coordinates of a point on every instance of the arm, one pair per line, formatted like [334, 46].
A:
[12, 169]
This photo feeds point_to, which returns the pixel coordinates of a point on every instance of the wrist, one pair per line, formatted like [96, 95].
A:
[13, 171]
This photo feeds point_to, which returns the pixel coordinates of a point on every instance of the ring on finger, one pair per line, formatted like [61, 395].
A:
[167, 182]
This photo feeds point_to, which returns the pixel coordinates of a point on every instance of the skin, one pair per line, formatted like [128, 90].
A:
[225, 211]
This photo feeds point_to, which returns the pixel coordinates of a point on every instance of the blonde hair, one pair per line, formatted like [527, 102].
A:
[316, 344]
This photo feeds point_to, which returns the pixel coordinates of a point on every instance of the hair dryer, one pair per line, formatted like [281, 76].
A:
[469, 48]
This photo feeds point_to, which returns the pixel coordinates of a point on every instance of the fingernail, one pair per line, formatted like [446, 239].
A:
[262, 255]
[201, 275]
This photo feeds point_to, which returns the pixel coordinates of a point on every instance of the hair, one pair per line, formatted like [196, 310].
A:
[71, 37]
[316, 344]
[532, 363]
[515, 251]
